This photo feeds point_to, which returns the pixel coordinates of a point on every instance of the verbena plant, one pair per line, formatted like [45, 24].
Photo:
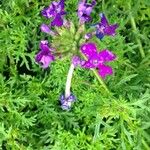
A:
[108, 114]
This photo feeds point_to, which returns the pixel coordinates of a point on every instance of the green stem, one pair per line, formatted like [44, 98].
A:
[99, 78]
[145, 144]
[101, 81]
[135, 30]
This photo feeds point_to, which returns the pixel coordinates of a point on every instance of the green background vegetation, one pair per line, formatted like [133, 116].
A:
[30, 114]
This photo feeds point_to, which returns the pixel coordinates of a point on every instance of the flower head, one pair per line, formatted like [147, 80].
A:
[97, 59]
[55, 11]
[84, 11]
[45, 56]
[67, 102]
[103, 28]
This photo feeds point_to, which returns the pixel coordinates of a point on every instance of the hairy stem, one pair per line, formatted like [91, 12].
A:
[68, 82]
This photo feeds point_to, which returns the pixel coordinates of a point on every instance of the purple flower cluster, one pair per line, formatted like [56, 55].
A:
[103, 28]
[56, 12]
[67, 102]
[84, 11]
[95, 59]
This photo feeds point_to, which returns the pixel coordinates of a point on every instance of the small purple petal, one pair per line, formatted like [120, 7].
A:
[66, 105]
[76, 61]
[84, 11]
[67, 102]
[104, 21]
[62, 98]
[110, 30]
[45, 28]
[44, 46]
[71, 98]
[106, 56]
[46, 60]
[104, 71]
[84, 19]
[58, 21]
[99, 35]
[62, 4]
[88, 65]
[48, 12]
[88, 49]
[88, 10]
[103, 28]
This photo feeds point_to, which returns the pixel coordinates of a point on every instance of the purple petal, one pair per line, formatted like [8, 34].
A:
[76, 61]
[103, 28]
[106, 56]
[48, 12]
[46, 60]
[84, 19]
[45, 28]
[71, 98]
[44, 45]
[88, 49]
[88, 11]
[104, 71]
[38, 57]
[110, 30]
[93, 62]
[44, 57]
[88, 65]
[99, 35]
[58, 21]
[66, 105]
[104, 21]
[62, 4]
[81, 6]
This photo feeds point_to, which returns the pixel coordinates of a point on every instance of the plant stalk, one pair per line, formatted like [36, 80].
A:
[68, 82]
[101, 81]
[133, 24]
[99, 78]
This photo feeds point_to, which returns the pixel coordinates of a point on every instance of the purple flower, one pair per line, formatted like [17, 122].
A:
[103, 28]
[55, 11]
[97, 59]
[67, 102]
[84, 11]
[45, 56]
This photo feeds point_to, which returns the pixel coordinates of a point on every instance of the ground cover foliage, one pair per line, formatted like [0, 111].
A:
[30, 114]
